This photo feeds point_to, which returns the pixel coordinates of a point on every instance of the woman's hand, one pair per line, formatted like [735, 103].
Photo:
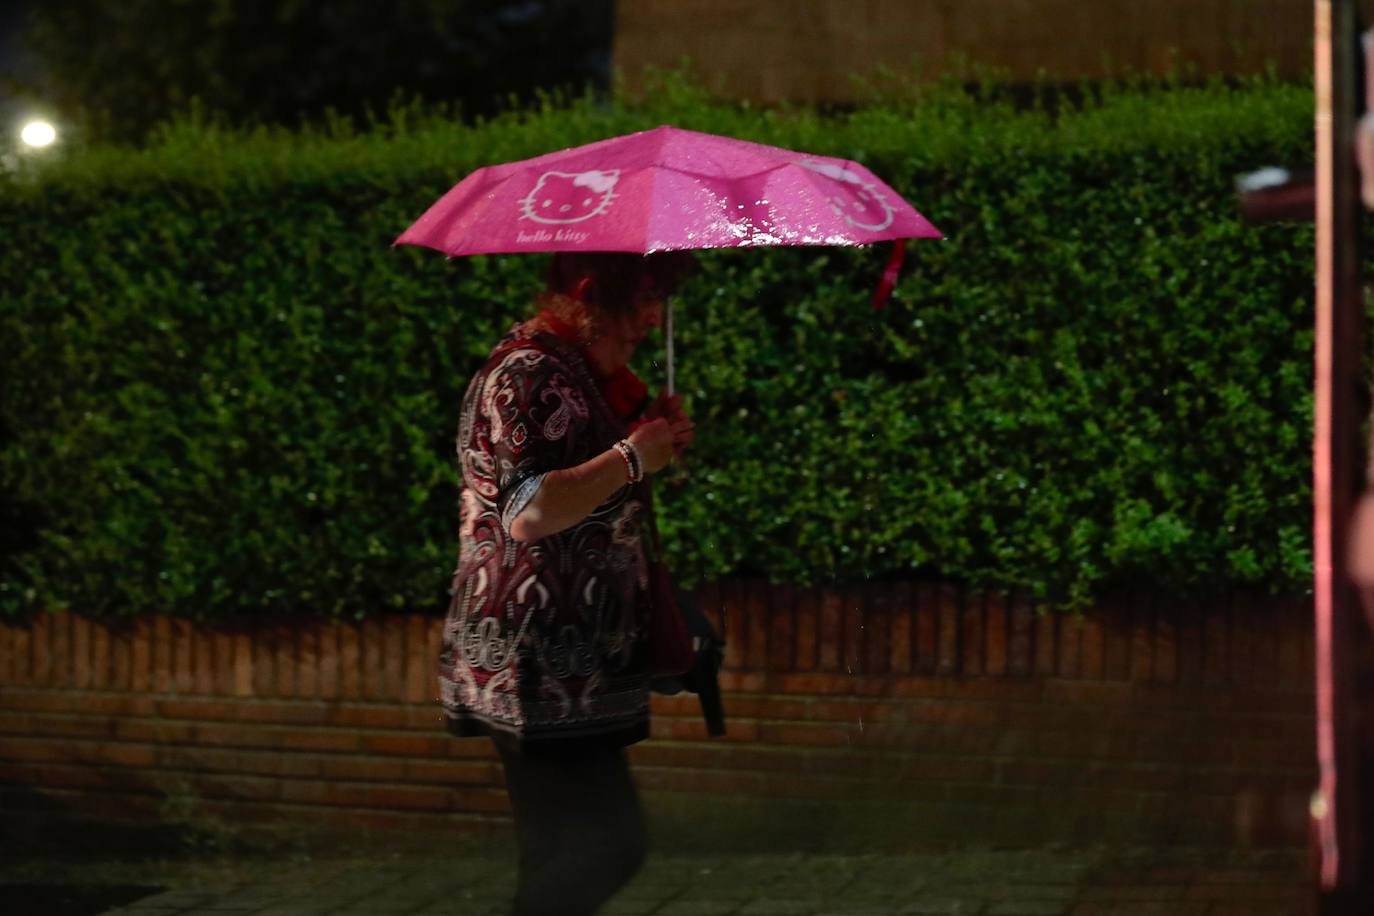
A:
[659, 441]
[669, 407]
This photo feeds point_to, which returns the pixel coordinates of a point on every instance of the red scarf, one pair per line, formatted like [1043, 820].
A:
[622, 389]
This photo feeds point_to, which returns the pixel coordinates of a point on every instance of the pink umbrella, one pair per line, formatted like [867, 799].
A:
[669, 189]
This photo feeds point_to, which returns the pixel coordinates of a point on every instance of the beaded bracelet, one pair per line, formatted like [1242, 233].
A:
[630, 454]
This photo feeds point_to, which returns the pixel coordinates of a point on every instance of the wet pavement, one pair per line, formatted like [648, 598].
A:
[477, 881]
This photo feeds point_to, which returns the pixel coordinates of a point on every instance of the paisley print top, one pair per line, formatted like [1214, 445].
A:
[544, 639]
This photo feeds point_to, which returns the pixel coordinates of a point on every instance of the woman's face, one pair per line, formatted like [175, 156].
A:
[613, 349]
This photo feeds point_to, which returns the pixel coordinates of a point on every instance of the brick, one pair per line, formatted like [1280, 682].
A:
[451, 773]
[1142, 637]
[403, 745]
[100, 657]
[949, 651]
[815, 684]
[420, 665]
[354, 768]
[60, 636]
[1039, 773]
[243, 665]
[80, 652]
[371, 648]
[875, 602]
[854, 711]
[53, 726]
[1143, 778]
[1165, 648]
[1059, 692]
[1265, 643]
[1290, 667]
[973, 627]
[807, 630]
[782, 629]
[996, 634]
[161, 660]
[1046, 640]
[182, 660]
[487, 801]
[22, 659]
[141, 656]
[758, 707]
[958, 712]
[6, 653]
[121, 659]
[367, 715]
[1216, 661]
[318, 739]
[926, 636]
[393, 657]
[806, 734]
[736, 619]
[284, 661]
[743, 682]
[307, 661]
[264, 663]
[402, 797]
[350, 659]
[1021, 638]
[203, 661]
[901, 649]
[1242, 665]
[1092, 645]
[1001, 796]
[682, 704]
[152, 731]
[434, 641]
[832, 629]
[1071, 647]
[694, 729]
[755, 600]
[40, 631]
[82, 702]
[328, 661]
[707, 595]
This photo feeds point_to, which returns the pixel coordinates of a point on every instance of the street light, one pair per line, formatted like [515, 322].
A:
[38, 134]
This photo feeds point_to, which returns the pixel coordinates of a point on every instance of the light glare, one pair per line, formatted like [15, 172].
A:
[38, 134]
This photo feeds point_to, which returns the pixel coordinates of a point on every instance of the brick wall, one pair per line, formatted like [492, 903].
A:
[769, 50]
[952, 715]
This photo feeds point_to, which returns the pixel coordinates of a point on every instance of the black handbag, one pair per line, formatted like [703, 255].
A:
[703, 678]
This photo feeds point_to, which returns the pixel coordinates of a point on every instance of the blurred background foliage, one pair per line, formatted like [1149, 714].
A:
[223, 392]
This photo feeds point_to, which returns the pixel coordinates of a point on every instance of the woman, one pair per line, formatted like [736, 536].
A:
[545, 646]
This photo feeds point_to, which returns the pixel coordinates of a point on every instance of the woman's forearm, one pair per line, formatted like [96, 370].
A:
[568, 496]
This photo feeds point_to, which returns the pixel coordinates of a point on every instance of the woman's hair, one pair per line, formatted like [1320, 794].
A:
[615, 282]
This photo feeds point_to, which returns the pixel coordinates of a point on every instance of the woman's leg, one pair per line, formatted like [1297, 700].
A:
[579, 827]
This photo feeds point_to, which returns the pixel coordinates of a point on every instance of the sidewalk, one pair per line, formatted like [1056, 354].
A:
[966, 882]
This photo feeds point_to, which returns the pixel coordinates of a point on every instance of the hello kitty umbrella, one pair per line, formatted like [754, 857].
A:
[669, 189]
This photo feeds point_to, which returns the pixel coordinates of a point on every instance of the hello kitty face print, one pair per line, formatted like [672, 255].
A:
[560, 198]
[853, 198]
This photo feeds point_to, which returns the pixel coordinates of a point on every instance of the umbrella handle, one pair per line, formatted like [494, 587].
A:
[668, 339]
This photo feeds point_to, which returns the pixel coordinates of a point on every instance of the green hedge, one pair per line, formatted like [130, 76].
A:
[224, 392]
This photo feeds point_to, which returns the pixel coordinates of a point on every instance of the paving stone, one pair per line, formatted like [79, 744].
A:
[945, 906]
[1029, 908]
[699, 906]
[780, 907]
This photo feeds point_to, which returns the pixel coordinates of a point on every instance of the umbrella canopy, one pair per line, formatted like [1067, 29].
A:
[661, 190]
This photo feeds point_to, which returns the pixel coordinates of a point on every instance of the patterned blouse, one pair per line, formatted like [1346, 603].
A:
[544, 639]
